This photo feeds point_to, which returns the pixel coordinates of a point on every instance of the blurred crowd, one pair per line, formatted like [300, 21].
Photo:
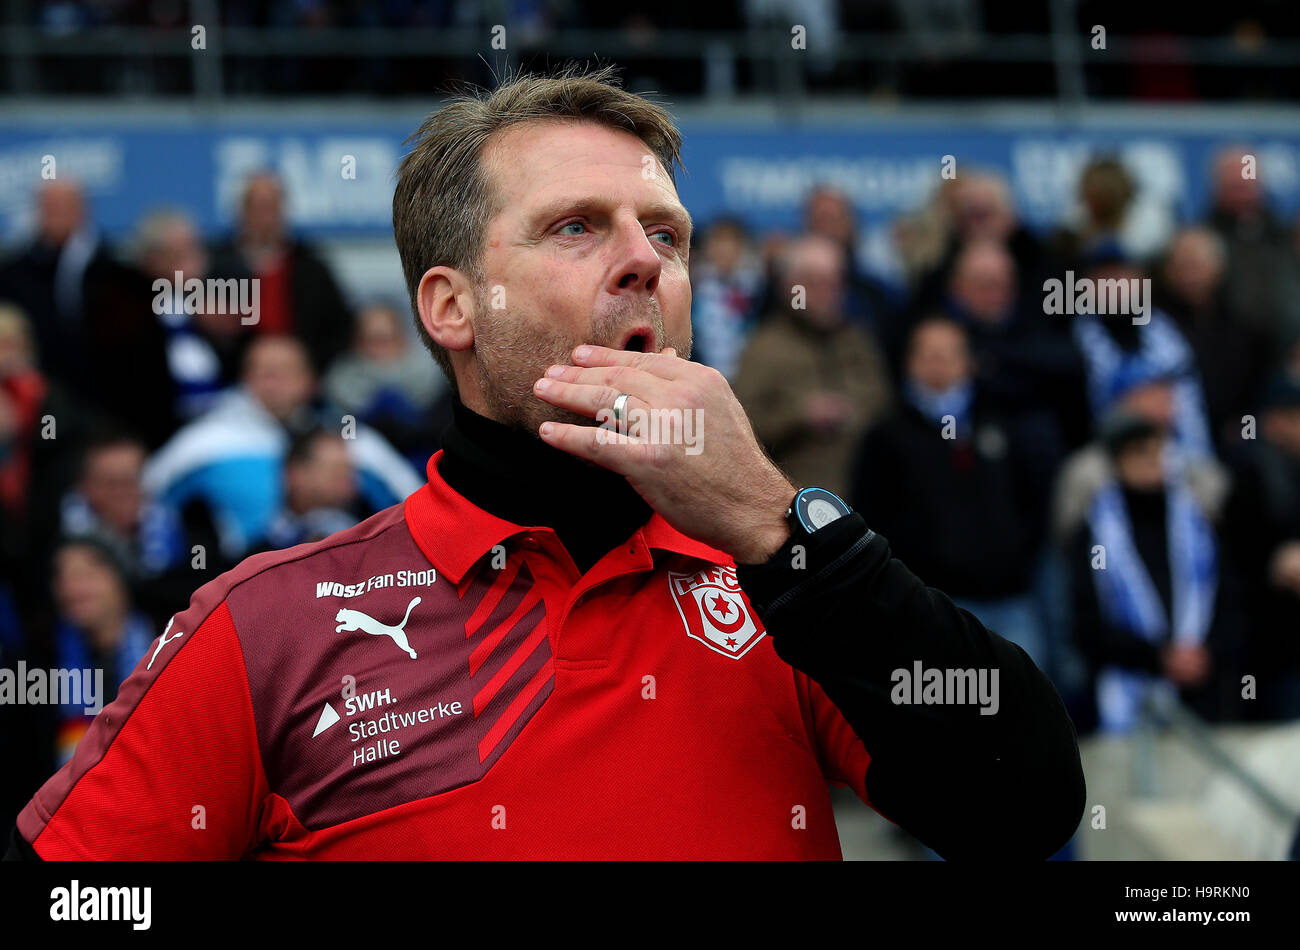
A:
[150, 440]
[1117, 493]
[934, 48]
[1119, 496]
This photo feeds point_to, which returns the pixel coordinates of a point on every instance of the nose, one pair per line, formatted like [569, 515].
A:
[638, 262]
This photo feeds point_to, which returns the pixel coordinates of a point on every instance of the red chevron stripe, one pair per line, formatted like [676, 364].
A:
[515, 710]
[489, 690]
[505, 577]
[489, 643]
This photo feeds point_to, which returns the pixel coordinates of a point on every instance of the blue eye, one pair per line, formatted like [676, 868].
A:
[572, 224]
[672, 240]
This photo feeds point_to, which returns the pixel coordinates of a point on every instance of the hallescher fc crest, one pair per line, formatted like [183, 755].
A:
[714, 610]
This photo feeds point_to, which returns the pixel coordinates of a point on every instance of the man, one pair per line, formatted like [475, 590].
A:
[91, 316]
[546, 658]
[298, 293]
[1261, 270]
[99, 628]
[153, 542]
[230, 459]
[1110, 342]
[384, 380]
[1231, 355]
[320, 491]
[810, 380]
[960, 486]
[727, 282]
[48, 278]
[1262, 523]
[1022, 361]
[1147, 391]
[1156, 612]
[829, 213]
[204, 348]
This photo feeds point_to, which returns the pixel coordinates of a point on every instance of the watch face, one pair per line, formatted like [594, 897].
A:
[821, 512]
[816, 507]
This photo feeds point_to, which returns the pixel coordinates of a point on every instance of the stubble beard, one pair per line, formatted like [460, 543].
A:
[512, 352]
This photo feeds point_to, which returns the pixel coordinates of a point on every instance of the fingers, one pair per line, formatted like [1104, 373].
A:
[587, 442]
[593, 400]
[589, 391]
[663, 365]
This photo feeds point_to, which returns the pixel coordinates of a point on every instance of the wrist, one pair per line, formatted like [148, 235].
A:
[765, 537]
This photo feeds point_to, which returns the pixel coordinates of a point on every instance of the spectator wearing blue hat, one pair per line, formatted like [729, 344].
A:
[1139, 343]
[1156, 610]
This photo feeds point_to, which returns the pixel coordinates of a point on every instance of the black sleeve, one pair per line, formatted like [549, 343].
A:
[967, 785]
[19, 849]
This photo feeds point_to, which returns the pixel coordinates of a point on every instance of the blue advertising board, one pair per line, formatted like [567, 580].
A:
[339, 171]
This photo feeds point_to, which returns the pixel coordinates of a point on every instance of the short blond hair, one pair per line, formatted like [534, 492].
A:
[444, 200]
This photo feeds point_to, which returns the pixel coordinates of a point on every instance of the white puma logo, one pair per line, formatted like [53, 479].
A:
[163, 641]
[355, 620]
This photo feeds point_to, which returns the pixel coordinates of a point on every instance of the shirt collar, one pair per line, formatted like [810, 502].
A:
[454, 533]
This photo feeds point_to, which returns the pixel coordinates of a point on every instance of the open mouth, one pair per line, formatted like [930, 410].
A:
[639, 341]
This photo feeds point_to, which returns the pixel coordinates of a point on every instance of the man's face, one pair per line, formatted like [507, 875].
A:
[724, 249]
[1141, 464]
[59, 212]
[1193, 270]
[263, 211]
[939, 358]
[279, 376]
[111, 484]
[984, 282]
[87, 590]
[590, 245]
[325, 480]
[379, 336]
[179, 250]
[1153, 401]
[818, 267]
[830, 215]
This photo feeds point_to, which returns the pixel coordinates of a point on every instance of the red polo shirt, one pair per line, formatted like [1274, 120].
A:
[437, 683]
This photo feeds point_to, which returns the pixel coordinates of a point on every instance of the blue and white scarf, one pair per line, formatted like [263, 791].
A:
[1128, 598]
[1163, 348]
[935, 404]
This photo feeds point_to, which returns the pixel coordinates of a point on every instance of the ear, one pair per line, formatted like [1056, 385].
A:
[446, 304]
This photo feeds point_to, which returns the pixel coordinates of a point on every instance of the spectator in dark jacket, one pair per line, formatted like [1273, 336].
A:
[1022, 359]
[1262, 264]
[810, 380]
[1155, 608]
[95, 333]
[1231, 355]
[298, 294]
[1263, 524]
[958, 485]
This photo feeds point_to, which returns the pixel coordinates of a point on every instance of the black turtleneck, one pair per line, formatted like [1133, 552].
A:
[516, 476]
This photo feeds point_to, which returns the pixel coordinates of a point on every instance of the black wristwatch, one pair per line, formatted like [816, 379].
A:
[812, 509]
